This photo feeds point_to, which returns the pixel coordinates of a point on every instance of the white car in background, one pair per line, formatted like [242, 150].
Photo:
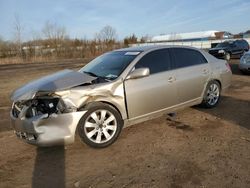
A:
[244, 65]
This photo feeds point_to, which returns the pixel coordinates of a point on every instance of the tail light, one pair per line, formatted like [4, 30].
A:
[228, 66]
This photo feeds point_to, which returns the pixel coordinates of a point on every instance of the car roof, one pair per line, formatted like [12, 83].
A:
[232, 41]
[153, 47]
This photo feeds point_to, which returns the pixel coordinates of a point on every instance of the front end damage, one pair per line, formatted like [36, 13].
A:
[46, 115]
[45, 121]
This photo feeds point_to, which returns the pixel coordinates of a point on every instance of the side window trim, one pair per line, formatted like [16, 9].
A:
[173, 58]
[170, 66]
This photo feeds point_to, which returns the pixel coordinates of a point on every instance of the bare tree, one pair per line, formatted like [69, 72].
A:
[18, 34]
[53, 31]
[106, 37]
[144, 38]
[107, 34]
[130, 40]
[55, 35]
[2, 47]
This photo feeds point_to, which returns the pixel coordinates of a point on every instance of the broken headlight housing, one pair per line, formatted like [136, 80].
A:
[39, 106]
[42, 106]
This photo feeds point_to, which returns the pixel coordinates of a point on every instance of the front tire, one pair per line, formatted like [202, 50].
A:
[100, 126]
[212, 95]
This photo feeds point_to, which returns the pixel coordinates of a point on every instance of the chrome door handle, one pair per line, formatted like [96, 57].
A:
[171, 79]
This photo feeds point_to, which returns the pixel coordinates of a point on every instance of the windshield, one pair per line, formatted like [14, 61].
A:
[225, 44]
[110, 65]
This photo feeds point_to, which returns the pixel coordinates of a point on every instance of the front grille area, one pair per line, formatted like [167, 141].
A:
[25, 136]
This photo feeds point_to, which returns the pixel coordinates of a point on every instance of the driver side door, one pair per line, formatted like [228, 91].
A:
[155, 92]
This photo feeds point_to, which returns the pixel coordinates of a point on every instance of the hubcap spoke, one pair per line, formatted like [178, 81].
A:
[214, 87]
[107, 121]
[94, 117]
[99, 137]
[111, 127]
[91, 133]
[212, 101]
[106, 134]
[90, 125]
[216, 90]
[103, 115]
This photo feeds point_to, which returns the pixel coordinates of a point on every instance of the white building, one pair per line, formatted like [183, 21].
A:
[193, 36]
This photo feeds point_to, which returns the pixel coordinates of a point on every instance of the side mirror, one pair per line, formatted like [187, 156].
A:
[139, 73]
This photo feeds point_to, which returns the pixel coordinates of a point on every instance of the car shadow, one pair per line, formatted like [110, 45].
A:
[231, 109]
[49, 168]
[234, 64]
[235, 69]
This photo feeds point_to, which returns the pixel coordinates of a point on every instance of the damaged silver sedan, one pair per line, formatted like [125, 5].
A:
[115, 90]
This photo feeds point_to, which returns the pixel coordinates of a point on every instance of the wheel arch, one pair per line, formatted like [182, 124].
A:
[92, 103]
[210, 80]
[217, 80]
[202, 104]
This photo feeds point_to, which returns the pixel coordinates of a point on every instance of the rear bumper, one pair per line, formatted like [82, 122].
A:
[57, 129]
[226, 78]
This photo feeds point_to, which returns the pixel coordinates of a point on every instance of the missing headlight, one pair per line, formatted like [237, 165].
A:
[45, 106]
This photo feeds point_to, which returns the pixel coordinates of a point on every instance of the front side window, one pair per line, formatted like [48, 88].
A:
[157, 61]
[187, 57]
[110, 65]
[223, 45]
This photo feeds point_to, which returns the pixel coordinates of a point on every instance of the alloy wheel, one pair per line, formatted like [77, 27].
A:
[213, 94]
[100, 126]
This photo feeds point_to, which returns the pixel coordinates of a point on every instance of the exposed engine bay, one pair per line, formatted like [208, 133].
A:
[35, 107]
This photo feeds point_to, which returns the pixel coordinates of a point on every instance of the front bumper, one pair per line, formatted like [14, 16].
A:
[57, 129]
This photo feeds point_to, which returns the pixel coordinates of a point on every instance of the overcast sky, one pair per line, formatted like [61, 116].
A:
[84, 18]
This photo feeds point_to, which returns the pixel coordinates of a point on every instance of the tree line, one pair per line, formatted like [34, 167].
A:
[54, 43]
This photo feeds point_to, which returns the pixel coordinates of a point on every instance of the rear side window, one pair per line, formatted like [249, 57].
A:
[157, 61]
[187, 57]
[239, 44]
[242, 44]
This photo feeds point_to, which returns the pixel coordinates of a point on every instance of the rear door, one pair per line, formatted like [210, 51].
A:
[242, 46]
[154, 92]
[236, 48]
[192, 73]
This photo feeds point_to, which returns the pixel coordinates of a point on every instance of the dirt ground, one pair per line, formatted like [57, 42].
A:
[208, 148]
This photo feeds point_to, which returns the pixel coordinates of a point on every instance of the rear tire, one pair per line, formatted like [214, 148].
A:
[212, 95]
[100, 126]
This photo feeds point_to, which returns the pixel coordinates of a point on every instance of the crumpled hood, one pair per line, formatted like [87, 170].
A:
[62, 80]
